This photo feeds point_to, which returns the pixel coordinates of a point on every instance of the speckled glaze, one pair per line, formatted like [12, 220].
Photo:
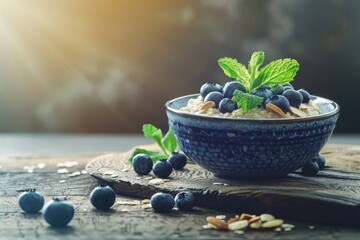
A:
[251, 148]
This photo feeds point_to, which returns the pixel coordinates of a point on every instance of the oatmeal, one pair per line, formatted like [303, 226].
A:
[195, 105]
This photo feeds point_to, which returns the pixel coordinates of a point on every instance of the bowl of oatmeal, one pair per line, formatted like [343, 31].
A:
[255, 144]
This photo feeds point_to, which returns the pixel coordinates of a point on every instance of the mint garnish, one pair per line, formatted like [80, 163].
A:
[280, 71]
[246, 101]
[167, 144]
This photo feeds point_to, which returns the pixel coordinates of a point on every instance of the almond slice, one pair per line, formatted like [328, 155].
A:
[207, 105]
[255, 225]
[266, 217]
[303, 106]
[273, 108]
[220, 224]
[231, 220]
[273, 223]
[255, 219]
[246, 216]
[297, 112]
[238, 225]
[313, 105]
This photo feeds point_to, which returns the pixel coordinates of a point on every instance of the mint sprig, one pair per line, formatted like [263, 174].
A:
[280, 71]
[167, 143]
[246, 101]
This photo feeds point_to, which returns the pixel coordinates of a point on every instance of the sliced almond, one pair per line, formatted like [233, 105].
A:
[255, 225]
[219, 224]
[313, 105]
[207, 105]
[238, 225]
[266, 217]
[255, 219]
[297, 112]
[231, 220]
[273, 223]
[303, 107]
[246, 216]
[273, 108]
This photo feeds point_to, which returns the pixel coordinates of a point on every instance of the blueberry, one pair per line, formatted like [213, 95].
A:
[142, 164]
[210, 87]
[280, 101]
[227, 105]
[102, 197]
[305, 94]
[162, 202]
[311, 168]
[320, 160]
[278, 89]
[31, 201]
[216, 97]
[184, 201]
[230, 87]
[162, 169]
[288, 88]
[263, 92]
[288, 85]
[177, 160]
[58, 212]
[295, 98]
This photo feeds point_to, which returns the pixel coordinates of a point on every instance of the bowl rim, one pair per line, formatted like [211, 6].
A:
[265, 120]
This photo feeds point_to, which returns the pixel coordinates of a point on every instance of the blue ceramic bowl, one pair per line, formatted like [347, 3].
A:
[251, 148]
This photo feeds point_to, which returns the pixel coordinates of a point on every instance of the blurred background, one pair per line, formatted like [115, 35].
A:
[103, 66]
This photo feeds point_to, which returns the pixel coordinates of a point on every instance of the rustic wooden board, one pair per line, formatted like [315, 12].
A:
[333, 196]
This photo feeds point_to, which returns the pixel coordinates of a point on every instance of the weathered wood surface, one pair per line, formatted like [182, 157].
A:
[333, 196]
[123, 221]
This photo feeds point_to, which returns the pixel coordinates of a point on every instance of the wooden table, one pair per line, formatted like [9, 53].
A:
[31, 161]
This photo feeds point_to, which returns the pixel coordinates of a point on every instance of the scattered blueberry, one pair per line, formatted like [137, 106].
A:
[215, 97]
[263, 92]
[320, 160]
[184, 201]
[162, 169]
[280, 101]
[162, 202]
[102, 197]
[210, 87]
[142, 164]
[305, 94]
[58, 212]
[177, 160]
[311, 168]
[230, 87]
[278, 89]
[227, 105]
[295, 98]
[31, 201]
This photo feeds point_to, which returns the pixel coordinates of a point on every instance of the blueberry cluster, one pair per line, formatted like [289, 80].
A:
[57, 212]
[282, 96]
[312, 167]
[164, 202]
[143, 164]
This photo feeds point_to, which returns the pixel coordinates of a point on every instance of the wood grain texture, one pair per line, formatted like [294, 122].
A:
[333, 196]
[122, 221]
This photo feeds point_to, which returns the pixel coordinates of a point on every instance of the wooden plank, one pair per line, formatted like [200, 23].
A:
[123, 221]
[333, 196]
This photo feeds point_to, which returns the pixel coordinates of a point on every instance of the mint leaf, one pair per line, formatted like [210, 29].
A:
[233, 69]
[246, 101]
[169, 141]
[257, 59]
[153, 155]
[152, 132]
[277, 72]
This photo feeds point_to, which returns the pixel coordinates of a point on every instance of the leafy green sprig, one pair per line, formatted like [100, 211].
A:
[281, 71]
[167, 143]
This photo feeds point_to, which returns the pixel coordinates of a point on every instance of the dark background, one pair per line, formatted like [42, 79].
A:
[109, 66]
